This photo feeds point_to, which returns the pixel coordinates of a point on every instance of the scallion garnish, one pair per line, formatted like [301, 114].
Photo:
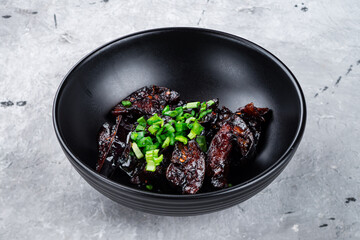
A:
[187, 115]
[140, 128]
[151, 147]
[181, 139]
[166, 109]
[203, 114]
[141, 121]
[203, 106]
[159, 159]
[179, 127]
[201, 140]
[140, 135]
[171, 113]
[149, 187]
[153, 129]
[169, 128]
[197, 128]
[144, 142]
[150, 167]
[210, 103]
[192, 105]
[126, 103]
[134, 136]
[137, 150]
[157, 132]
[192, 119]
[166, 142]
[191, 135]
[154, 119]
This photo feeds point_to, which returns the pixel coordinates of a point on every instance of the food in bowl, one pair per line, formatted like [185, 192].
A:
[161, 143]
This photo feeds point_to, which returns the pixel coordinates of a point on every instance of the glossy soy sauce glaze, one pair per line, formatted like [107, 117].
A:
[231, 140]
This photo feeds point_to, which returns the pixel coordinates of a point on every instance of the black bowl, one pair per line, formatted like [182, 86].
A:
[200, 64]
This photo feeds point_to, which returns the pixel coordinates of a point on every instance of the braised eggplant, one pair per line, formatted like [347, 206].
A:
[160, 143]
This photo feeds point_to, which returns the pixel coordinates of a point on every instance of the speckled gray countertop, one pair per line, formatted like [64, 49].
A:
[316, 197]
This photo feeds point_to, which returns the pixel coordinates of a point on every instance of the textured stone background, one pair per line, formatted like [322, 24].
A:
[316, 197]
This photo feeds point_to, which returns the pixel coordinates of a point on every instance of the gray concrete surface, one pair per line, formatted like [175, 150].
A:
[316, 197]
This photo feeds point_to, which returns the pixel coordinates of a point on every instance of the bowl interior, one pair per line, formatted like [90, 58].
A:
[200, 65]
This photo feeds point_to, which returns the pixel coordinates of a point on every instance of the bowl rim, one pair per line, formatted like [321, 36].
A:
[281, 161]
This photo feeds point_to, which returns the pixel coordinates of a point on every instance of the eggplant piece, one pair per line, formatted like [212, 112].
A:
[255, 118]
[147, 101]
[187, 168]
[106, 139]
[217, 164]
[243, 136]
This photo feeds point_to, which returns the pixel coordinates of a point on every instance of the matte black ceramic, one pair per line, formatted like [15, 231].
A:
[200, 64]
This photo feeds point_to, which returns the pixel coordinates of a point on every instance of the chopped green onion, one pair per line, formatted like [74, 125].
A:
[142, 121]
[153, 129]
[166, 109]
[169, 128]
[202, 114]
[140, 135]
[181, 139]
[201, 140]
[150, 166]
[192, 119]
[158, 160]
[180, 134]
[172, 121]
[156, 152]
[149, 187]
[180, 117]
[126, 103]
[158, 138]
[145, 141]
[137, 151]
[179, 127]
[192, 113]
[192, 105]
[151, 147]
[230, 185]
[163, 137]
[159, 123]
[197, 128]
[191, 135]
[210, 103]
[171, 113]
[187, 115]
[140, 128]
[203, 106]
[149, 156]
[179, 110]
[154, 119]
[172, 138]
[134, 135]
[166, 142]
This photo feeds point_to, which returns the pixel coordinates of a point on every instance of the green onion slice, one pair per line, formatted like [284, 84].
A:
[210, 103]
[166, 142]
[137, 151]
[192, 105]
[141, 121]
[201, 140]
[181, 139]
[126, 103]
[150, 166]
[140, 128]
